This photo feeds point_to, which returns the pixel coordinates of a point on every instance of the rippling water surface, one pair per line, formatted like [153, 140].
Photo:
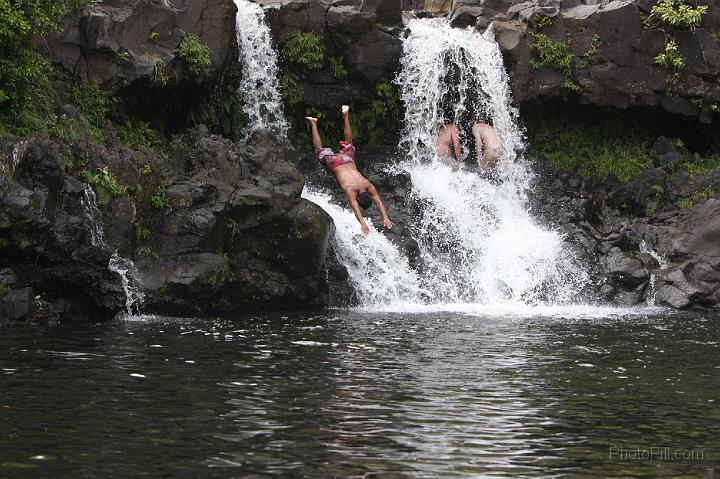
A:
[347, 394]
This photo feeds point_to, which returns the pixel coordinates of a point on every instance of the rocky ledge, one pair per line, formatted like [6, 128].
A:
[212, 226]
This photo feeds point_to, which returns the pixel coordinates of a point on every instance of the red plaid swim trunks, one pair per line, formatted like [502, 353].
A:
[331, 160]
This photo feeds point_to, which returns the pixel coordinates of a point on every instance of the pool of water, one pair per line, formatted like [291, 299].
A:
[351, 394]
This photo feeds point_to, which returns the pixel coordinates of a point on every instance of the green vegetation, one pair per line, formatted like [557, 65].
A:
[145, 170]
[304, 50]
[555, 55]
[196, 55]
[27, 93]
[290, 88]
[90, 99]
[105, 184]
[697, 197]
[38, 303]
[677, 13]
[559, 55]
[134, 133]
[670, 15]
[159, 198]
[337, 69]
[233, 228]
[147, 252]
[671, 59]
[385, 109]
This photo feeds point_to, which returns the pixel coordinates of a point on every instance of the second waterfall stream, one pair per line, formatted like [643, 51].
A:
[479, 245]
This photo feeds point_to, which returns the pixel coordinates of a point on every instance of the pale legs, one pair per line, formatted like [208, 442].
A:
[486, 143]
[448, 144]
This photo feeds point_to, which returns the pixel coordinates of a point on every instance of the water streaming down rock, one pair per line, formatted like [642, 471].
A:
[124, 267]
[378, 272]
[263, 106]
[477, 238]
[662, 264]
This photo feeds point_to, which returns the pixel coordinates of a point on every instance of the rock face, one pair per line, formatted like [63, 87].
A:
[235, 233]
[226, 229]
[657, 248]
[119, 42]
[613, 52]
[364, 33]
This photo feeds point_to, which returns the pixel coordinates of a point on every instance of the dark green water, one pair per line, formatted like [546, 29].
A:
[345, 394]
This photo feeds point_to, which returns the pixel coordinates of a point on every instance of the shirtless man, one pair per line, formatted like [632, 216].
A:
[360, 192]
[448, 144]
[487, 144]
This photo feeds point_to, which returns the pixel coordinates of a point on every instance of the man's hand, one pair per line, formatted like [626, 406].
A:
[365, 229]
[345, 109]
[387, 223]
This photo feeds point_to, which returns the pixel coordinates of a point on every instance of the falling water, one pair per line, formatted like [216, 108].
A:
[477, 237]
[378, 272]
[478, 243]
[662, 264]
[124, 267]
[263, 104]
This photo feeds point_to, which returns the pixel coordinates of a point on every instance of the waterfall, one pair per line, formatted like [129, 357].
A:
[262, 101]
[479, 244]
[477, 237]
[124, 267]
[378, 272]
[662, 264]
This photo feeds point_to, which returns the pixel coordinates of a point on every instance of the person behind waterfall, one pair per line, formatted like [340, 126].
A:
[448, 144]
[360, 192]
[487, 144]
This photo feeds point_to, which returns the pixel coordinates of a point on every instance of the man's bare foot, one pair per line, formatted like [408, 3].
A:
[311, 119]
[345, 109]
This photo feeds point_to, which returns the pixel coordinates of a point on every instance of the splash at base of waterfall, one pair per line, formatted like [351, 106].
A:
[125, 268]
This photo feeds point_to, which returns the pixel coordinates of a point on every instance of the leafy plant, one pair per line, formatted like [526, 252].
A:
[700, 195]
[291, 89]
[145, 170]
[677, 13]
[90, 99]
[160, 199]
[589, 57]
[27, 94]
[541, 21]
[105, 184]
[304, 50]
[555, 55]
[671, 59]
[337, 69]
[385, 109]
[38, 303]
[134, 133]
[234, 228]
[196, 55]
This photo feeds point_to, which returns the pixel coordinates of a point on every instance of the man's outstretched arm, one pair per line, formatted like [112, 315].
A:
[380, 206]
[347, 129]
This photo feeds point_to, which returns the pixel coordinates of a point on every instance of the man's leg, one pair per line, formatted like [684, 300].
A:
[347, 129]
[317, 141]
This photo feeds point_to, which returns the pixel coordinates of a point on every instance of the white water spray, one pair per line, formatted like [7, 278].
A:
[124, 267]
[479, 245]
[263, 104]
[378, 272]
[662, 264]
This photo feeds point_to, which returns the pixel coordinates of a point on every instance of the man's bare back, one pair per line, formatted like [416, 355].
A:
[359, 191]
[448, 143]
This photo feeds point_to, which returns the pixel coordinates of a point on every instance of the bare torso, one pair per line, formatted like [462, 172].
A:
[350, 179]
[447, 142]
[487, 142]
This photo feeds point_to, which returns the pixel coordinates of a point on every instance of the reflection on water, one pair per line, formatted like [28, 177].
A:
[347, 394]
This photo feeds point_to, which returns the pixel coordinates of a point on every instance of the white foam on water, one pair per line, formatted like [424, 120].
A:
[259, 85]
